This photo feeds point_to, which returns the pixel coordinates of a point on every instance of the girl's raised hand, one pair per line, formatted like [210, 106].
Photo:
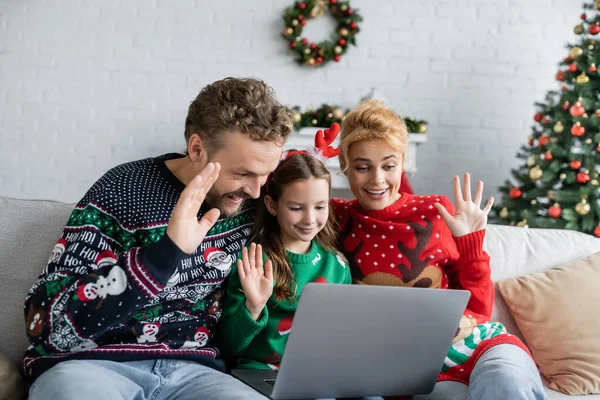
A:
[469, 217]
[257, 282]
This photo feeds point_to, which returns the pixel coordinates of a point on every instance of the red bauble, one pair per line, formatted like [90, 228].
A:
[543, 140]
[353, 25]
[573, 67]
[548, 156]
[302, 6]
[313, 46]
[592, 68]
[336, 58]
[350, 11]
[577, 130]
[598, 113]
[515, 193]
[577, 110]
[564, 88]
[582, 16]
[538, 117]
[594, 29]
[305, 41]
[342, 42]
[293, 45]
[555, 211]
[560, 76]
[575, 164]
[565, 105]
[300, 17]
[598, 148]
[333, 1]
[597, 231]
[319, 60]
[582, 177]
[303, 22]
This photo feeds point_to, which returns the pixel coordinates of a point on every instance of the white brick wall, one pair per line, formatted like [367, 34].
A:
[86, 85]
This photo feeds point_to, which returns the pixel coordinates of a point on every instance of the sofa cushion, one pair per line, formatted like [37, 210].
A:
[557, 312]
[12, 386]
[28, 231]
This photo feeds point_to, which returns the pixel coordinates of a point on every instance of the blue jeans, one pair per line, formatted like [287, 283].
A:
[137, 380]
[503, 372]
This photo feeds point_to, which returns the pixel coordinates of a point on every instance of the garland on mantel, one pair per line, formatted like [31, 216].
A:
[327, 114]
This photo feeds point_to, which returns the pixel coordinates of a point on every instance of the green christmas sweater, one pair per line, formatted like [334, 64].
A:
[260, 344]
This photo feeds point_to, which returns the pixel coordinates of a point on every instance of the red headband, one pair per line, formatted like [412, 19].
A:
[323, 140]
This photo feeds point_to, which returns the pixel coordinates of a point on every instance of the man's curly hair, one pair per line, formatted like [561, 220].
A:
[245, 105]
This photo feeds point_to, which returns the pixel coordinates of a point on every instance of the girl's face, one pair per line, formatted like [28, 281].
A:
[374, 173]
[302, 211]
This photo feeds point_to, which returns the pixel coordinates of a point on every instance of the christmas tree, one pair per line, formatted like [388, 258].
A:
[557, 186]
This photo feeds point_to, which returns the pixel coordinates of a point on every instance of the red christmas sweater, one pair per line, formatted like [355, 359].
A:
[409, 244]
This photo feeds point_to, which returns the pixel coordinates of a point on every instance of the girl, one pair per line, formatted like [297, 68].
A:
[295, 231]
[395, 238]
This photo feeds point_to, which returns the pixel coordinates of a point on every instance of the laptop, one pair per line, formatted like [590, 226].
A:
[362, 340]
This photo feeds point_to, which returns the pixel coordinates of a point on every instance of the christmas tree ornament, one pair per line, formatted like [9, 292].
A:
[583, 177]
[583, 78]
[598, 148]
[338, 113]
[592, 68]
[555, 211]
[583, 208]
[564, 88]
[565, 105]
[504, 213]
[530, 140]
[594, 182]
[576, 52]
[522, 224]
[597, 4]
[579, 29]
[422, 127]
[597, 231]
[515, 193]
[578, 130]
[307, 51]
[560, 76]
[548, 156]
[343, 32]
[588, 141]
[535, 172]
[531, 160]
[296, 117]
[575, 164]
[330, 115]
[543, 140]
[597, 113]
[314, 122]
[594, 29]
[533, 202]
[558, 127]
[295, 22]
[591, 47]
[583, 16]
[573, 67]
[577, 110]
[563, 176]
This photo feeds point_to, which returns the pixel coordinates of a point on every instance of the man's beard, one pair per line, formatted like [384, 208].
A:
[214, 199]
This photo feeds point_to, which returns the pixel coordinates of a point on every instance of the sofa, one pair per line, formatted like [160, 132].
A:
[29, 229]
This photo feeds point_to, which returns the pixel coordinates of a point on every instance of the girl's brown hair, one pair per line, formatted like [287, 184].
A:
[266, 231]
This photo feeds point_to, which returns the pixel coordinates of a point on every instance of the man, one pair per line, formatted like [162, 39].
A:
[127, 307]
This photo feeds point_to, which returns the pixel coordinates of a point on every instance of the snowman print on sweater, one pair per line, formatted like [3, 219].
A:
[201, 337]
[113, 284]
[149, 332]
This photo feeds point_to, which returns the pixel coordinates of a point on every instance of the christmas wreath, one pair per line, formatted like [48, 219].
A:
[314, 54]
[327, 114]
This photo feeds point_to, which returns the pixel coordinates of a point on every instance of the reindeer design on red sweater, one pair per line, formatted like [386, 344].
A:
[413, 270]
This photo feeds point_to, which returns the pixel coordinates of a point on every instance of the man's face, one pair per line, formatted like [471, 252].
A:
[245, 164]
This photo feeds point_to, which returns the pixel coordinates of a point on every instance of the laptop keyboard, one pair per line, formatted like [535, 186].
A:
[269, 381]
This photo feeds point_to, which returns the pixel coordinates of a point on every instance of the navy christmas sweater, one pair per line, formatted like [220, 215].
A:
[117, 288]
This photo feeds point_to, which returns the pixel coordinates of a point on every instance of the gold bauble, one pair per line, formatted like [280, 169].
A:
[422, 127]
[295, 22]
[314, 121]
[563, 176]
[344, 7]
[337, 49]
[338, 113]
[343, 32]
[535, 172]
[307, 51]
[531, 160]
[288, 31]
[558, 127]
[576, 52]
[583, 208]
[522, 224]
[588, 141]
[579, 29]
[533, 202]
[503, 213]
[296, 117]
[597, 4]
[310, 61]
[330, 115]
[595, 182]
[583, 78]
[591, 47]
